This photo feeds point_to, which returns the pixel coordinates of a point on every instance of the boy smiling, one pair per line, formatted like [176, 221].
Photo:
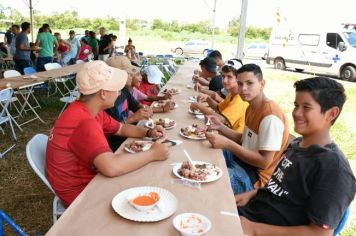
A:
[313, 184]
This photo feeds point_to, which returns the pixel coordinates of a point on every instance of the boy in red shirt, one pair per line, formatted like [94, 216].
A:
[77, 148]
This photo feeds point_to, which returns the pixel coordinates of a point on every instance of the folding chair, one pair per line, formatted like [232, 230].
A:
[5, 116]
[25, 92]
[73, 95]
[14, 99]
[29, 71]
[52, 66]
[36, 156]
[11, 223]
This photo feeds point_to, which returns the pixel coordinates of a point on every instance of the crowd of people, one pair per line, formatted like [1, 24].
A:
[50, 47]
[282, 186]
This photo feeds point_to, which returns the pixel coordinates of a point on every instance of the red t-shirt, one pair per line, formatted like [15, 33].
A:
[76, 139]
[149, 90]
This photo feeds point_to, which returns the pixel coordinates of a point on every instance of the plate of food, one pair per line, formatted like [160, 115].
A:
[192, 224]
[195, 112]
[145, 204]
[193, 98]
[172, 91]
[162, 103]
[164, 122]
[194, 131]
[201, 172]
[138, 146]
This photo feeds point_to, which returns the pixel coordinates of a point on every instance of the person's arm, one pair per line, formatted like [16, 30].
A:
[213, 104]
[217, 124]
[140, 114]
[200, 106]
[261, 159]
[202, 81]
[260, 229]
[111, 165]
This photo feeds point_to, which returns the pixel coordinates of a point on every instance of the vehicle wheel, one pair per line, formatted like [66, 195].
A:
[299, 70]
[279, 64]
[179, 51]
[348, 73]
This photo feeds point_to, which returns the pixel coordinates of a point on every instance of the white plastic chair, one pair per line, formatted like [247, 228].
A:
[5, 117]
[36, 156]
[52, 66]
[11, 73]
[73, 95]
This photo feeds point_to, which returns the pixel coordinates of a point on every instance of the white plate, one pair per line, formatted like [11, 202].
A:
[194, 112]
[191, 137]
[149, 124]
[178, 91]
[155, 104]
[166, 207]
[149, 144]
[193, 98]
[210, 178]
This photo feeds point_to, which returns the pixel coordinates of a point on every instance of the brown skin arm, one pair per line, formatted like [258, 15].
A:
[259, 229]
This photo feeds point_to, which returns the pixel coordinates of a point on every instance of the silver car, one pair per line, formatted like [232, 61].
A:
[192, 47]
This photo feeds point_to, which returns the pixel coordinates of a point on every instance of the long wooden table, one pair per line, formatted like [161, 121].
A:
[44, 76]
[91, 213]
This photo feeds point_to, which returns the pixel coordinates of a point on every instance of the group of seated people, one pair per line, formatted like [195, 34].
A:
[302, 187]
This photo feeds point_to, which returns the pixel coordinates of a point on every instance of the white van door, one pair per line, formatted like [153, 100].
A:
[331, 55]
[309, 45]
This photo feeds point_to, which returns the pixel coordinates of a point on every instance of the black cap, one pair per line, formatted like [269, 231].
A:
[209, 64]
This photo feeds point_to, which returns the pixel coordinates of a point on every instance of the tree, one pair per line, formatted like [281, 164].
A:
[234, 26]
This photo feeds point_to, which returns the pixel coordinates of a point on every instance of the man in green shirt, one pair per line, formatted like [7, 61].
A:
[47, 43]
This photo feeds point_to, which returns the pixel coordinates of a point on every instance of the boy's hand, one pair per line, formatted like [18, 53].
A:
[197, 87]
[217, 141]
[216, 97]
[161, 150]
[243, 198]
[215, 122]
[167, 96]
[171, 105]
[141, 114]
[157, 132]
[202, 97]
[194, 106]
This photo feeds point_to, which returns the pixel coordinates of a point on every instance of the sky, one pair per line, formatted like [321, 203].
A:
[261, 13]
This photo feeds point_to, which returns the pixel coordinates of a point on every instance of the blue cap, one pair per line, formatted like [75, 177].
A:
[209, 64]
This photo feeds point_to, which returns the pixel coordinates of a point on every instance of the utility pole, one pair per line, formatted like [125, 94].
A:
[243, 16]
[31, 19]
[213, 28]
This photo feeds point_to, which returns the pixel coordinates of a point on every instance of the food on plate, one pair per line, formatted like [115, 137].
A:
[171, 91]
[195, 111]
[138, 146]
[199, 172]
[194, 131]
[192, 224]
[144, 201]
[164, 122]
[163, 102]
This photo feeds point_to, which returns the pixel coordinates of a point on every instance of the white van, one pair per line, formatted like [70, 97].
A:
[330, 51]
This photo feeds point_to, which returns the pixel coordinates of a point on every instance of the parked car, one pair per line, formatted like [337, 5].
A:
[256, 50]
[192, 47]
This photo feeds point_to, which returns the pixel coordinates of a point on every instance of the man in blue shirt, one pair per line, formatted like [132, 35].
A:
[22, 57]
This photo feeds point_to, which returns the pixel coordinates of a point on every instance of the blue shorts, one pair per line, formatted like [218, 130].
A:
[239, 179]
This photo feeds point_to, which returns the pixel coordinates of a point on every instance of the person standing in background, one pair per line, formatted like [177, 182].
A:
[23, 50]
[46, 41]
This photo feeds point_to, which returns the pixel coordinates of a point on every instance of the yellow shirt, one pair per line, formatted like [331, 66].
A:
[234, 109]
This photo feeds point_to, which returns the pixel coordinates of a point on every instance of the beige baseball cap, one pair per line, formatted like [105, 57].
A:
[120, 62]
[97, 75]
